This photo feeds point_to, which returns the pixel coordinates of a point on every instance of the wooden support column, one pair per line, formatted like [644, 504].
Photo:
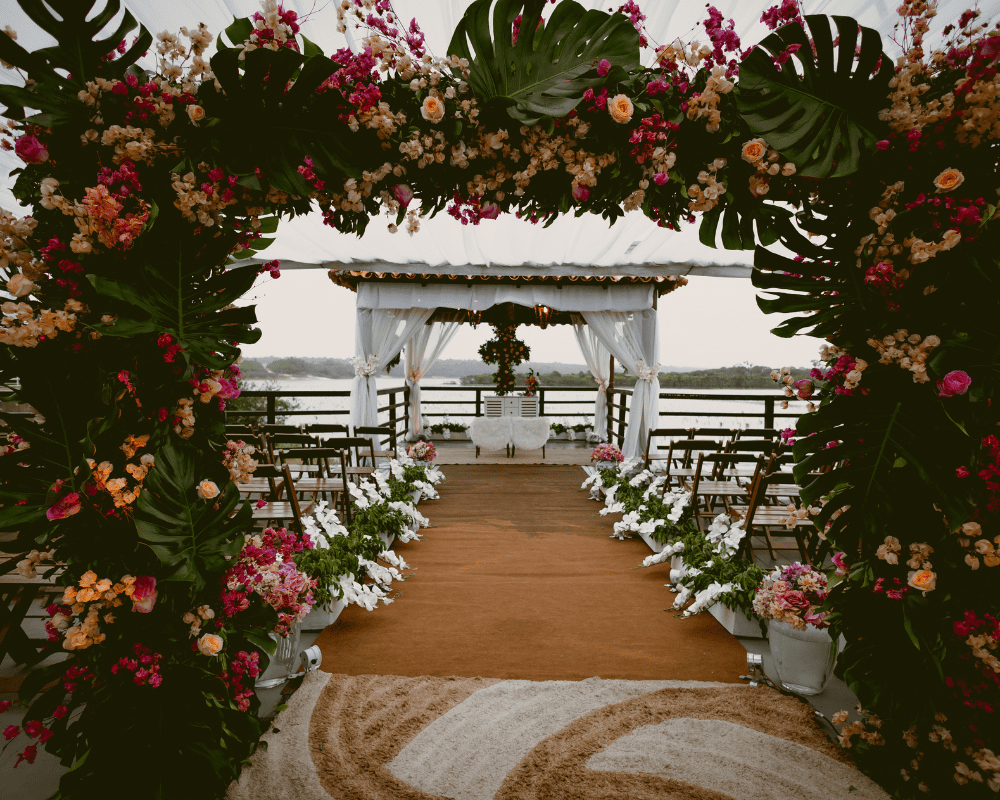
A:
[610, 392]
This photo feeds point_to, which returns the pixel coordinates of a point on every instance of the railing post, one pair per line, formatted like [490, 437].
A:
[479, 402]
[271, 408]
[768, 412]
[392, 409]
[610, 394]
[541, 402]
[406, 409]
[621, 423]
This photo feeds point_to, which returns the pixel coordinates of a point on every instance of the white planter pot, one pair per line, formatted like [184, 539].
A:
[415, 496]
[736, 622]
[318, 618]
[571, 435]
[655, 546]
[605, 464]
[804, 659]
[446, 433]
[387, 540]
[676, 562]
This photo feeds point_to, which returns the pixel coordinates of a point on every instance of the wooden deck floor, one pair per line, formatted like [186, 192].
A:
[556, 454]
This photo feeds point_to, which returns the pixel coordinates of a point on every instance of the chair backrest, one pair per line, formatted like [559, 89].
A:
[711, 466]
[243, 431]
[494, 406]
[758, 433]
[328, 427]
[381, 435]
[683, 450]
[279, 441]
[663, 433]
[273, 427]
[713, 433]
[763, 446]
[271, 473]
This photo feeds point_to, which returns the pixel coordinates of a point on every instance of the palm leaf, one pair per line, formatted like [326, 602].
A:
[824, 120]
[546, 73]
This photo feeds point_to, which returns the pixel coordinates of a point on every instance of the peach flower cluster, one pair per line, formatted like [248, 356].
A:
[28, 566]
[23, 326]
[767, 163]
[910, 350]
[121, 493]
[197, 618]
[979, 550]
[101, 596]
[239, 460]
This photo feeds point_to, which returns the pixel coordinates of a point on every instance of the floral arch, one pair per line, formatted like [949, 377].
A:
[147, 186]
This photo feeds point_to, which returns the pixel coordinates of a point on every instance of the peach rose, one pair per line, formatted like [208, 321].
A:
[432, 109]
[620, 108]
[208, 490]
[754, 150]
[948, 180]
[922, 579]
[210, 644]
[195, 113]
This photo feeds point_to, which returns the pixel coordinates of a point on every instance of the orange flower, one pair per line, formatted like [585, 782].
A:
[432, 109]
[134, 443]
[620, 108]
[948, 180]
[88, 578]
[922, 579]
[754, 150]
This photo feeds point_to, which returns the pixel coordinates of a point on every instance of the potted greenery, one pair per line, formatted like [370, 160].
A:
[457, 430]
[438, 429]
[559, 430]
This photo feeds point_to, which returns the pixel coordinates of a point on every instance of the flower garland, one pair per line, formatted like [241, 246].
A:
[506, 351]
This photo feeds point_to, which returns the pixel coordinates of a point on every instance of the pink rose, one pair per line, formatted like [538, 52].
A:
[819, 620]
[661, 178]
[30, 150]
[144, 594]
[403, 194]
[489, 211]
[603, 67]
[581, 193]
[842, 566]
[793, 600]
[804, 388]
[65, 506]
[956, 382]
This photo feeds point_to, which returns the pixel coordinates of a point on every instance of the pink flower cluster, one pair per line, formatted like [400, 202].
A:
[724, 40]
[472, 210]
[169, 346]
[606, 452]
[265, 567]
[145, 667]
[898, 593]
[421, 451]
[243, 665]
[793, 594]
[954, 383]
[653, 132]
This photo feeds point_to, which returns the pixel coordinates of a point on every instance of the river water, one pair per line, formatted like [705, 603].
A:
[689, 413]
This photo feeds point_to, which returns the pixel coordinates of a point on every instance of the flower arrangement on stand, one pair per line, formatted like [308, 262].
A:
[506, 351]
[606, 452]
[422, 451]
[530, 384]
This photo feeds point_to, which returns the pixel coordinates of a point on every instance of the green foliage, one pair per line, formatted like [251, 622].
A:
[237, 407]
[545, 73]
[826, 119]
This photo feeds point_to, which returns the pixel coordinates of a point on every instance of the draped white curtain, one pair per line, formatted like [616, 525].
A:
[631, 337]
[422, 351]
[379, 335]
[598, 359]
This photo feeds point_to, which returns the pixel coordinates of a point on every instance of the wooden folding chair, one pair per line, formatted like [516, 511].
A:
[241, 432]
[757, 433]
[354, 447]
[764, 447]
[711, 485]
[281, 441]
[330, 480]
[771, 517]
[275, 509]
[658, 433]
[381, 435]
[269, 428]
[17, 594]
[680, 457]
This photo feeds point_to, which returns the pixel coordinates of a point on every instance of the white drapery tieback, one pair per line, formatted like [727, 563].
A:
[414, 376]
[365, 368]
[644, 372]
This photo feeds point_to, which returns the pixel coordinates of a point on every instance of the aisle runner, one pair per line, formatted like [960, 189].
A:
[517, 578]
[376, 738]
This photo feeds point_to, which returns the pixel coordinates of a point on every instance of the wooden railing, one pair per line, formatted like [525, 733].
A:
[394, 409]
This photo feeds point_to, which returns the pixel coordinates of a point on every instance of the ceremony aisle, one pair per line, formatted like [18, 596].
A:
[517, 578]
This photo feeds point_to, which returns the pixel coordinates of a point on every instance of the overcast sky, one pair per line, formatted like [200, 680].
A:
[711, 322]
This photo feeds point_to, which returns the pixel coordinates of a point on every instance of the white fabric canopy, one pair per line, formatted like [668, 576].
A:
[379, 335]
[598, 360]
[443, 240]
[480, 296]
[633, 340]
[423, 349]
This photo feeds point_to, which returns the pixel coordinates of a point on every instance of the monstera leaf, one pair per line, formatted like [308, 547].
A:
[546, 73]
[826, 118]
[191, 536]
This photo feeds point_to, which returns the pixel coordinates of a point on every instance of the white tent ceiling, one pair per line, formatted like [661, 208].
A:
[443, 241]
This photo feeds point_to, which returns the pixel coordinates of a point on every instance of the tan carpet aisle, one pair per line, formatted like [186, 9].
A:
[517, 578]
